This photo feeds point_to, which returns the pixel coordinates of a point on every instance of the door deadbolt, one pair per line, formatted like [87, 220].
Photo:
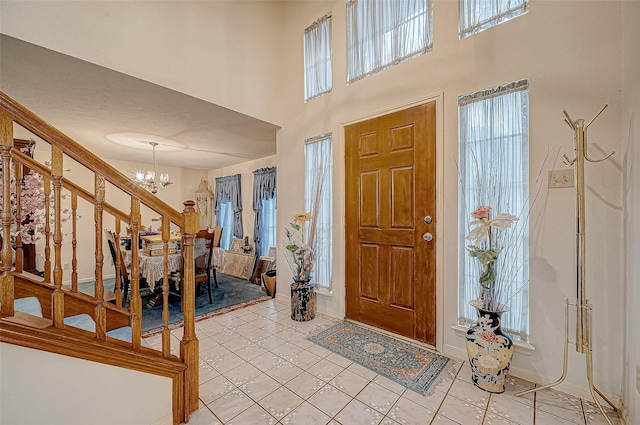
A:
[428, 219]
[427, 237]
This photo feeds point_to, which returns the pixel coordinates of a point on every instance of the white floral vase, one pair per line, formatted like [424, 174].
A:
[490, 351]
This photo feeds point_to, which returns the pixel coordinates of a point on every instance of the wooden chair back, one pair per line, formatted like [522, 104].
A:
[217, 236]
[122, 270]
[204, 242]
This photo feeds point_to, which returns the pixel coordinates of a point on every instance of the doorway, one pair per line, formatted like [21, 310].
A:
[390, 199]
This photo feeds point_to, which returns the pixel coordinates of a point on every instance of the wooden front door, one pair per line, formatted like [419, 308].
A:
[390, 189]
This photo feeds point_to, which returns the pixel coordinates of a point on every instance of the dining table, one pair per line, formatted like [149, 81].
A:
[152, 266]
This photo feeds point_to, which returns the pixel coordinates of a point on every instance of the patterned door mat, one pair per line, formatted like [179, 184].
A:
[411, 366]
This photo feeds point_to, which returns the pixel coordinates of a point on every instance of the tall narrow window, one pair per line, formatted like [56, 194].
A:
[478, 15]
[494, 171]
[319, 200]
[317, 58]
[224, 219]
[267, 225]
[383, 33]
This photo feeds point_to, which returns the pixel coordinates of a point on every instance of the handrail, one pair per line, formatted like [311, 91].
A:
[44, 130]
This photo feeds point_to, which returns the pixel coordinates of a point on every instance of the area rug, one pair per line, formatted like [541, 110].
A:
[231, 293]
[414, 367]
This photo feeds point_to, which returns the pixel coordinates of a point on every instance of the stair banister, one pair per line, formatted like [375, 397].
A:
[51, 290]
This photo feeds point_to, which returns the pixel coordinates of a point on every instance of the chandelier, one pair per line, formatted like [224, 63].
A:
[147, 179]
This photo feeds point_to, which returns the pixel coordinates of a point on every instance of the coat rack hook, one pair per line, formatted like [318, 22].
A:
[596, 160]
[586, 156]
[568, 161]
[569, 121]
[597, 115]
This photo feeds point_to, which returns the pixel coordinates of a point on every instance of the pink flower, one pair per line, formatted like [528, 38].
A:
[481, 212]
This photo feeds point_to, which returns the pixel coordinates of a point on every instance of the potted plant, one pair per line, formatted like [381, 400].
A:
[489, 349]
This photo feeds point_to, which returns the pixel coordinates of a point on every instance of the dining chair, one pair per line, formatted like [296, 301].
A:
[204, 242]
[124, 271]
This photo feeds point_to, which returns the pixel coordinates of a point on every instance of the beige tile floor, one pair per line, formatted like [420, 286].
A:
[256, 367]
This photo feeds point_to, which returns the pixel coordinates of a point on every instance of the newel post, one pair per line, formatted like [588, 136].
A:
[6, 277]
[189, 346]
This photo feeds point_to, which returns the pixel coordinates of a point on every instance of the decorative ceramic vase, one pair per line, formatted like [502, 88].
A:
[303, 300]
[490, 351]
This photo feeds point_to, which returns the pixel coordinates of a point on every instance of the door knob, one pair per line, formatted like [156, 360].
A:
[427, 237]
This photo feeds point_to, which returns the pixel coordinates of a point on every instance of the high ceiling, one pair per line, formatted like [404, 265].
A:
[87, 102]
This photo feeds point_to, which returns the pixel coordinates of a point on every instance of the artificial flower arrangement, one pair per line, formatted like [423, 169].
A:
[300, 245]
[32, 203]
[488, 239]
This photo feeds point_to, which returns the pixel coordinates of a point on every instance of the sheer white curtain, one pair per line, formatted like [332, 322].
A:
[225, 220]
[317, 58]
[494, 171]
[383, 33]
[478, 15]
[318, 176]
[267, 225]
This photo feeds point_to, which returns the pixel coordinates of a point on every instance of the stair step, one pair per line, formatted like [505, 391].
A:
[28, 320]
[84, 321]
[28, 311]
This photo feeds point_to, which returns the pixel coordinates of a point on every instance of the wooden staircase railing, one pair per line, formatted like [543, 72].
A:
[59, 301]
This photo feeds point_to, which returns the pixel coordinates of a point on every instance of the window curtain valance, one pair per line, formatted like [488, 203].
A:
[228, 190]
[264, 188]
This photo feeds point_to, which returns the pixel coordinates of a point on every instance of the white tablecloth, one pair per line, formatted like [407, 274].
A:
[152, 268]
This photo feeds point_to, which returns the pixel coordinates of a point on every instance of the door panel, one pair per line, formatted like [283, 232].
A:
[369, 195]
[402, 197]
[390, 181]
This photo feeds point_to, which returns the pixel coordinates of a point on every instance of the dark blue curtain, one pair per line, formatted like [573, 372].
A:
[228, 190]
[264, 188]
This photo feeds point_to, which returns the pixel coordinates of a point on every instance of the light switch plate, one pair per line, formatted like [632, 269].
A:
[561, 178]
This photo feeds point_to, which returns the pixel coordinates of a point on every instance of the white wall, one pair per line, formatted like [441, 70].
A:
[37, 387]
[568, 66]
[631, 194]
[224, 52]
[245, 170]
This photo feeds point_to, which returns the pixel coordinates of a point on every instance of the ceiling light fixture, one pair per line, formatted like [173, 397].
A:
[147, 179]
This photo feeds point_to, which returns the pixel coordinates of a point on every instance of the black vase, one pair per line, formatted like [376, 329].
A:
[490, 351]
[303, 300]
